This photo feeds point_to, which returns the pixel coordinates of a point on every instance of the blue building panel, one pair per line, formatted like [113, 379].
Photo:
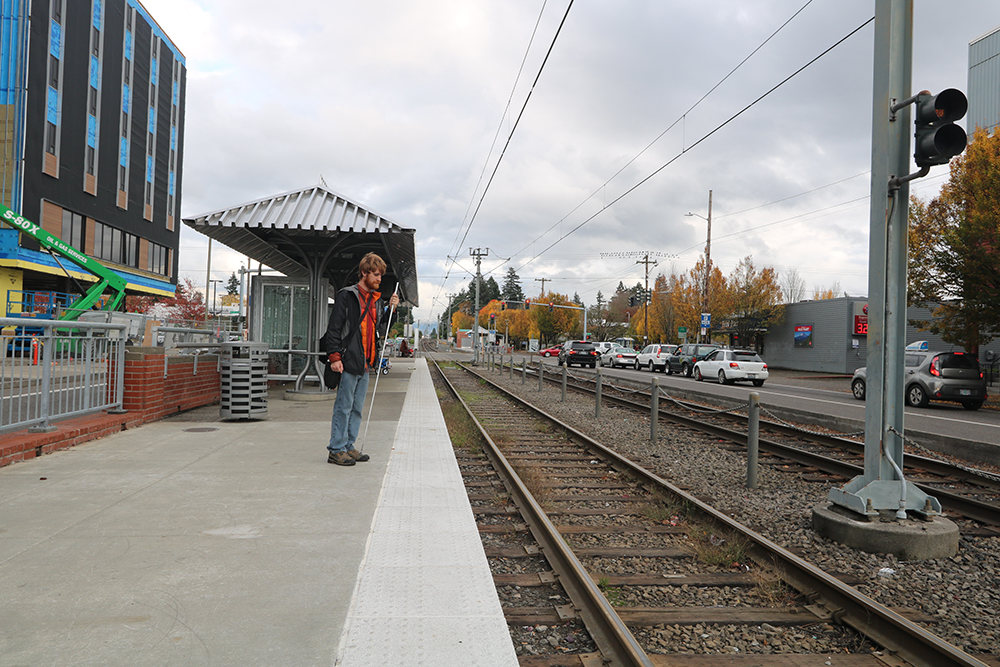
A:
[123, 152]
[92, 131]
[95, 72]
[55, 40]
[97, 14]
[52, 108]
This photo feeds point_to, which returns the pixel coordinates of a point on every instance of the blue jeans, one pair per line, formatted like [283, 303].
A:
[347, 411]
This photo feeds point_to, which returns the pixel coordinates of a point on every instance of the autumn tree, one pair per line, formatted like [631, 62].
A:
[954, 245]
[823, 293]
[688, 297]
[755, 300]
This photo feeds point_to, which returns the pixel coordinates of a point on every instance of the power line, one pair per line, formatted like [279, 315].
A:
[516, 122]
[701, 140]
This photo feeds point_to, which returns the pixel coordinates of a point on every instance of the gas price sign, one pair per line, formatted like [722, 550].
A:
[861, 319]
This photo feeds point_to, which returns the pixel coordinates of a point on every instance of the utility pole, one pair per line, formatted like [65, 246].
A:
[543, 280]
[646, 296]
[478, 253]
[448, 330]
[708, 264]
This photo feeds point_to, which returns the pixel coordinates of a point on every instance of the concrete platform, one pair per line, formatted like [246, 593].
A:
[910, 539]
[195, 541]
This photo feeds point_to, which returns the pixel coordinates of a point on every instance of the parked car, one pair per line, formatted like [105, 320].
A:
[620, 356]
[729, 366]
[551, 351]
[654, 357]
[580, 352]
[934, 376]
[684, 359]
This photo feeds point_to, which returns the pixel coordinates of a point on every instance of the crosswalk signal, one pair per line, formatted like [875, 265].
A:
[937, 138]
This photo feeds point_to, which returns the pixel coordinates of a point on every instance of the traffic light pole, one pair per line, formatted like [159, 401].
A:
[883, 487]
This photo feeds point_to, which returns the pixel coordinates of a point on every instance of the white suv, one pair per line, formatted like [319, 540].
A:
[603, 347]
[654, 357]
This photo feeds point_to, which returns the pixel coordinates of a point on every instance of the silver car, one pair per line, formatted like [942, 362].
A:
[620, 356]
[934, 376]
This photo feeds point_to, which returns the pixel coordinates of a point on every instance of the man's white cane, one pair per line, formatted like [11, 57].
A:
[378, 371]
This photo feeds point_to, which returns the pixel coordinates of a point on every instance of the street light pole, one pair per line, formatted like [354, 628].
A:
[708, 260]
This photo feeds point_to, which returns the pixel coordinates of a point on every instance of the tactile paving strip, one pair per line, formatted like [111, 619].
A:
[425, 594]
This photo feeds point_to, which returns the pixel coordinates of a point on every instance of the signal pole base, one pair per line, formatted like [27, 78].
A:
[906, 539]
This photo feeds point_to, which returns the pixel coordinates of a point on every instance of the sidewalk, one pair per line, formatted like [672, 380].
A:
[192, 541]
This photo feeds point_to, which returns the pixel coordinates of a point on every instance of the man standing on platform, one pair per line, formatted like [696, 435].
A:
[351, 342]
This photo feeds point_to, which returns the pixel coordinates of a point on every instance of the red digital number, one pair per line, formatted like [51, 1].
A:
[861, 328]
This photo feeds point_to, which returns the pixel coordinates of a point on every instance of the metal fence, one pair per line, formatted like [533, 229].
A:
[52, 369]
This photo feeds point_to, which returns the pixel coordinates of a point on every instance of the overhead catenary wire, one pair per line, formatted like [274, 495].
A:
[669, 127]
[496, 135]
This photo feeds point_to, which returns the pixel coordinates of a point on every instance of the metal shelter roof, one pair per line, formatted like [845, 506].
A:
[314, 233]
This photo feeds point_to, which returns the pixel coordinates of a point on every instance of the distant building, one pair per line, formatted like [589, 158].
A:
[92, 116]
[984, 82]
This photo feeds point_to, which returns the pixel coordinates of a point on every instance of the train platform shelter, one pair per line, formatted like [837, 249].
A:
[196, 541]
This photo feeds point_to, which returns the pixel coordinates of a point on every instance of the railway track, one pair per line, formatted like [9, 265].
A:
[965, 493]
[590, 537]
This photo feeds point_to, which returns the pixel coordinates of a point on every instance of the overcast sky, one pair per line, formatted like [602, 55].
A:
[396, 104]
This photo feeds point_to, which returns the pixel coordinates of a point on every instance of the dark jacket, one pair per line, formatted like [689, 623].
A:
[344, 320]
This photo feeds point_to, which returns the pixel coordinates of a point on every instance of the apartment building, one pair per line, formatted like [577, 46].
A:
[92, 120]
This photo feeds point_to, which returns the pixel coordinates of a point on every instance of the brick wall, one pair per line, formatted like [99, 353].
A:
[149, 396]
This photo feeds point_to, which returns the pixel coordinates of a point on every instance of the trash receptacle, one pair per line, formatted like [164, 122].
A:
[243, 372]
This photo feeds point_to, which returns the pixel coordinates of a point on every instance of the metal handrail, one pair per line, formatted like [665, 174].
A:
[60, 369]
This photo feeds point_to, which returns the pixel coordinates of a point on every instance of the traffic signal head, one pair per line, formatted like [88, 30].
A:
[551, 307]
[631, 302]
[503, 305]
[936, 137]
[527, 303]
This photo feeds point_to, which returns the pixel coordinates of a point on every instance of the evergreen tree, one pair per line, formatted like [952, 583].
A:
[512, 291]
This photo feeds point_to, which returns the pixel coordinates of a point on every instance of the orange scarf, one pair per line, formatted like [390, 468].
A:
[368, 324]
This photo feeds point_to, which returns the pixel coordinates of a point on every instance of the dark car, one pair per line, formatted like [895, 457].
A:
[683, 360]
[581, 352]
[934, 376]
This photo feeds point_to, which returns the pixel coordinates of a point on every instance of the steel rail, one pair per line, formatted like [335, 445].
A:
[978, 510]
[843, 603]
[616, 642]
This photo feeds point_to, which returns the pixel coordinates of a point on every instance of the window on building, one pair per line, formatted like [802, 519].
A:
[72, 229]
[92, 101]
[90, 160]
[157, 262]
[127, 72]
[95, 41]
[50, 138]
[53, 72]
[125, 124]
[57, 11]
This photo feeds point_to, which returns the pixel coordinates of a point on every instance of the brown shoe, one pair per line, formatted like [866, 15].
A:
[357, 456]
[340, 458]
